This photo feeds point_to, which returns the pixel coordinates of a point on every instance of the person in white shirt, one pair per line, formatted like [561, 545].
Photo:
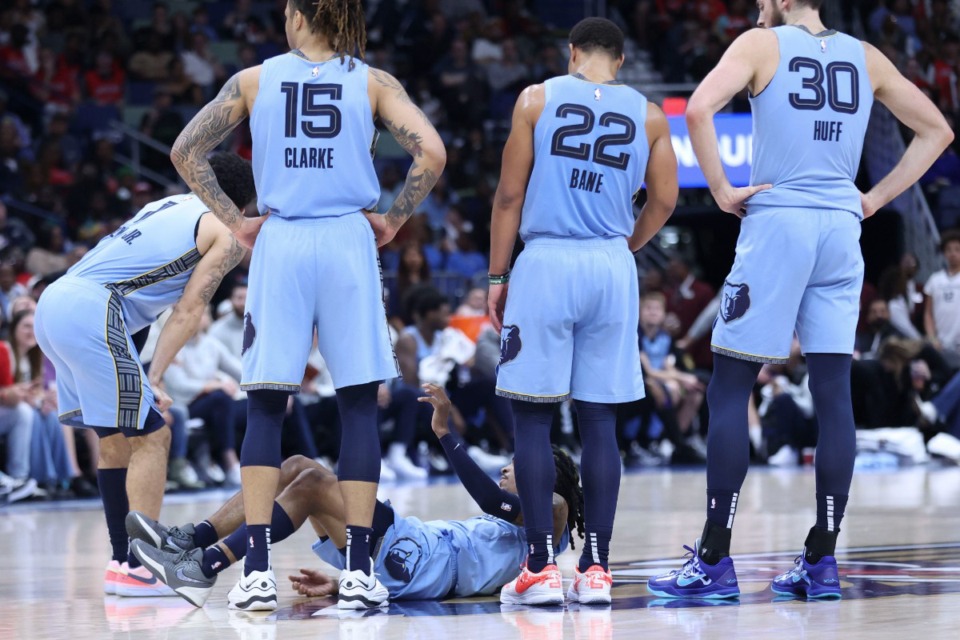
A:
[941, 319]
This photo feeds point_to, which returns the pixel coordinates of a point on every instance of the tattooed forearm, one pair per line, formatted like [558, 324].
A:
[202, 135]
[411, 141]
[231, 258]
[419, 183]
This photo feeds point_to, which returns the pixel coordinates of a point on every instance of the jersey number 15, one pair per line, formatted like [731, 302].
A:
[310, 109]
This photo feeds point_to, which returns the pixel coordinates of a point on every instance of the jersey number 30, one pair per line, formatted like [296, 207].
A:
[310, 109]
[582, 151]
[815, 96]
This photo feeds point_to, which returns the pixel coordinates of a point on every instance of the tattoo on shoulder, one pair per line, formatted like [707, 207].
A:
[385, 79]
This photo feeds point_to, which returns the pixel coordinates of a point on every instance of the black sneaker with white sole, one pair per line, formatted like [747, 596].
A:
[180, 571]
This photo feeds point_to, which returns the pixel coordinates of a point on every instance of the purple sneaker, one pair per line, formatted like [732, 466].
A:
[805, 580]
[697, 579]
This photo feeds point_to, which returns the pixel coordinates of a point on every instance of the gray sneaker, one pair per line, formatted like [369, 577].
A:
[179, 571]
[174, 539]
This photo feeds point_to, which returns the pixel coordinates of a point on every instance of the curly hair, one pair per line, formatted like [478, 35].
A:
[567, 486]
[342, 21]
[235, 177]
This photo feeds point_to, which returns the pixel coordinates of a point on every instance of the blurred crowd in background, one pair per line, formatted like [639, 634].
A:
[92, 92]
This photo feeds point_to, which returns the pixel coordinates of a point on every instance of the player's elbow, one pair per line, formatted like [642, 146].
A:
[435, 155]
[946, 135]
[697, 113]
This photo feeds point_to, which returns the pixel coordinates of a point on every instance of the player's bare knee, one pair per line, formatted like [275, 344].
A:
[158, 440]
[114, 452]
[311, 481]
[293, 467]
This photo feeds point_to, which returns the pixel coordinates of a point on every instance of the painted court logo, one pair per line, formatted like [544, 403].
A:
[510, 344]
[736, 301]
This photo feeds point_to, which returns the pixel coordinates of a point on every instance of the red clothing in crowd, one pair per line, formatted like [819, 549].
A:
[105, 90]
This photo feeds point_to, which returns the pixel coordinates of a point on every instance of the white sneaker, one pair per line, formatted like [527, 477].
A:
[254, 592]
[544, 588]
[787, 456]
[591, 587]
[215, 473]
[402, 465]
[487, 461]
[232, 476]
[386, 473]
[23, 488]
[361, 591]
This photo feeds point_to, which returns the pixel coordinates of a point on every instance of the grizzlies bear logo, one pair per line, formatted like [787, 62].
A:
[249, 333]
[736, 301]
[402, 559]
[509, 343]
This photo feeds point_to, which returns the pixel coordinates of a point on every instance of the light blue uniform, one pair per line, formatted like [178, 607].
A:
[798, 265]
[444, 558]
[316, 262]
[570, 323]
[85, 319]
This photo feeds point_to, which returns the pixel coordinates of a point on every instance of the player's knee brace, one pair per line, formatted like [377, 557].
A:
[261, 444]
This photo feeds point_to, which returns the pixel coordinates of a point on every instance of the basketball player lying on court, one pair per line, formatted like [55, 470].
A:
[415, 560]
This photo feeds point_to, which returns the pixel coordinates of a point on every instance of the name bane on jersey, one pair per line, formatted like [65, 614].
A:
[308, 158]
[827, 130]
[586, 180]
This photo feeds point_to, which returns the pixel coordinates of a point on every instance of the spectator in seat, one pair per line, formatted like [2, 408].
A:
[941, 319]
[16, 423]
[878, 329]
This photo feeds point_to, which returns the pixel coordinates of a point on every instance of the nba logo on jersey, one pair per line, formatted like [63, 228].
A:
[315, 72]
[597, 95]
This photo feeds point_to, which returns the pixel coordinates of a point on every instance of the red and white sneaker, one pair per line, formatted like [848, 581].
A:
[110, 577]
[591, 587]
[140, 583]
[544, 588]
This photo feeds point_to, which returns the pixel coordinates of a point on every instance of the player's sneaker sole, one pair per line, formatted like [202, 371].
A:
[358, 590]
[181, 572]
[591, 587]
[254, 592]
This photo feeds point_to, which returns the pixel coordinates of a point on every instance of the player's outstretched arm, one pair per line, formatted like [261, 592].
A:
[419, 138]
[661, 180]
[736, 71]
[911, 107]
[203, 134]
[222, 256]
[508, 202]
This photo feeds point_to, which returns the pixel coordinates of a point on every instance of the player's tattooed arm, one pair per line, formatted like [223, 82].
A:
[203, 134]
[412, 131]
[220, 259]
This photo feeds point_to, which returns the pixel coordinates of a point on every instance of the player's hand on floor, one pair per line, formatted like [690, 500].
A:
[441, 408]
[313, 583]
[249, 230]
[496, 301]
[734, 199]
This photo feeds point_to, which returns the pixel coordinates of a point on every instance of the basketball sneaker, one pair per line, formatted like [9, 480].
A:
[591, 587]
[254, 592]
[174, 539]
[110, 577]
[805, 580]
[357, 590]
[544, 588]
[180, 571]
[697, 579]
[139, 583]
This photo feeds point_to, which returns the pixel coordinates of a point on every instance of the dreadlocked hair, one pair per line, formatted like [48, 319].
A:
[567, 487]
[344, 23]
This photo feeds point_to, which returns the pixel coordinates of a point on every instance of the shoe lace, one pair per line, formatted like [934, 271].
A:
[691, 566]
[797, 570]
[177, 533]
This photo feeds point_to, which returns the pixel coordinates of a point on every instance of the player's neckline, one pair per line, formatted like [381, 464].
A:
[826, 33]
[612, 83]
[299, 54]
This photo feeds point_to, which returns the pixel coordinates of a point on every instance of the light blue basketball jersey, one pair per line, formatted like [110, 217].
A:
[148, 260]
[810, 121]
[590, 158]
[312, 135]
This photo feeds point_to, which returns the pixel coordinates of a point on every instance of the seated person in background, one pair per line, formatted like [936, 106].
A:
[786, 410]
[16, 422]
[941, 319]
[943, 411]
[204, 379]
[676, 394]
[417, 560]
[893, 289]
[878, 328]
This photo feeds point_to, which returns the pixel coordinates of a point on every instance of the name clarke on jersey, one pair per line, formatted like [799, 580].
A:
[308, 158]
